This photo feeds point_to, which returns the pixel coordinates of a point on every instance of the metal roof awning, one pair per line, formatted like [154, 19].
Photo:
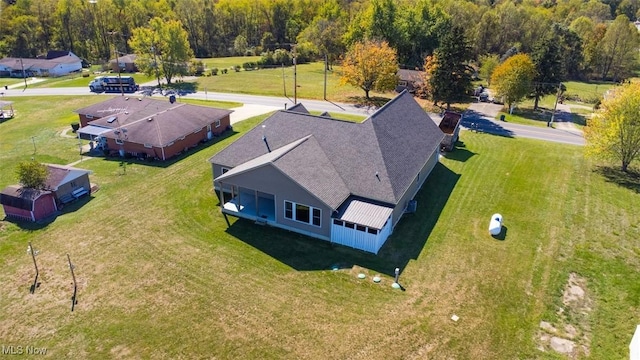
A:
[367, 214]
[93, 130]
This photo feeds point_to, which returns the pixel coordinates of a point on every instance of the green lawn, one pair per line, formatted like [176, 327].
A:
[228, 62]
[280, 82]
[161, 275]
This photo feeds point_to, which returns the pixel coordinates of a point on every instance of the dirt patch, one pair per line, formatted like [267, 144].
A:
[570, 333]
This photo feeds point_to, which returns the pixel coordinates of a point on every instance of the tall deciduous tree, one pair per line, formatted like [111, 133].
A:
[614, 131]
[513, 78]
[162, 47]
[488, 63]
[619, 49]
[370, 66]
[549, 70]
[32, 174]
[450, 74]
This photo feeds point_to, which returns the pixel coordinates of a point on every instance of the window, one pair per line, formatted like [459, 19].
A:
[209, 127]
[89, 116]
[217, 123]
[288, 210]
[224, 170]
[338, 222]
[349, 225]
[302, 213]
[361, 228]
[372, 231]
[119, 141]
[147, 145]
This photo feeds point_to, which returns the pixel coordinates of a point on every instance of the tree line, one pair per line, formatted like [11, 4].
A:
[596, 39]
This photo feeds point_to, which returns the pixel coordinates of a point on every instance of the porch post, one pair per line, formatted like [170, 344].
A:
[221, 195]
[256, 193]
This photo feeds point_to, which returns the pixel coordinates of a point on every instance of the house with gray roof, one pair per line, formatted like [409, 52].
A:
[148, 128]
[344, 182]
[56, 63]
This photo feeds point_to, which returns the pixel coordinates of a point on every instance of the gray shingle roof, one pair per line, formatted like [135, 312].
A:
[394, 143]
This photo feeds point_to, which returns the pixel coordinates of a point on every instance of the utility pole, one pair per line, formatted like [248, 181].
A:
[326, 64]
[295, 78]
[24, 74]
[555, 106]
[155, 61]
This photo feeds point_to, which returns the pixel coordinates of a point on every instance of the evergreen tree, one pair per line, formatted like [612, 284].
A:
[549, 68]
[450, 74]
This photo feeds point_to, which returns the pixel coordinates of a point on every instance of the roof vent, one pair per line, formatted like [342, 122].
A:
[264, 138]
[111, 119]
[378, 176]
[139, 99]
[150, 119]
[126, 99]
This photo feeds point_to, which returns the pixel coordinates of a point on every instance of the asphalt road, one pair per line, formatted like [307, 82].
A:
[479, 117]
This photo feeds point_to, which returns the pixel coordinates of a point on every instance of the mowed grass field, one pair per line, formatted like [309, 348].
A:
[161, 275]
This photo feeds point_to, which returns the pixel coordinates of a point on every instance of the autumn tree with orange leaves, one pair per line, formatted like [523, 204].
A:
[370, 66]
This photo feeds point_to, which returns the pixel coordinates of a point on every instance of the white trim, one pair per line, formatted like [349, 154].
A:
[119, 141]
[148, 146]
[217, 123]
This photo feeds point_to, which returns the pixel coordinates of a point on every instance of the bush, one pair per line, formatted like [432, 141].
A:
[224, 71]
[214, 71]
[236, 68]
[249, 66]
[85, 74]
[75, 126]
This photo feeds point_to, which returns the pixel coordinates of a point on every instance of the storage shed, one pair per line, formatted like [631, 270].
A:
[27, 204]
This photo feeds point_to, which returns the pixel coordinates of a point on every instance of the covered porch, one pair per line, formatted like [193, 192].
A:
[248, 203]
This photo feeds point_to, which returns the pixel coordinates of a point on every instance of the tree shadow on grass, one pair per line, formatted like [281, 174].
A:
[460, 153]
[410, 235]
[475, 121]
[629, 179]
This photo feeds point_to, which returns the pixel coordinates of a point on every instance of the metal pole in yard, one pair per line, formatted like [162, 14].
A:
[33, 256]
[75, 285]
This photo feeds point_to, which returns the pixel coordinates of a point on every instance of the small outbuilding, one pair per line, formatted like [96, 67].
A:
[27, 204]
[64, 184]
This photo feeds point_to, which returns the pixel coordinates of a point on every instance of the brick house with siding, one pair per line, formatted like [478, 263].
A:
[149, 128]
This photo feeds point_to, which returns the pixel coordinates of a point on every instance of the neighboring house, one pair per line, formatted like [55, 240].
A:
[126, 63]
[63, 185]
[344, 182]
[148, 128]
[56, 63]
[409, 80]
